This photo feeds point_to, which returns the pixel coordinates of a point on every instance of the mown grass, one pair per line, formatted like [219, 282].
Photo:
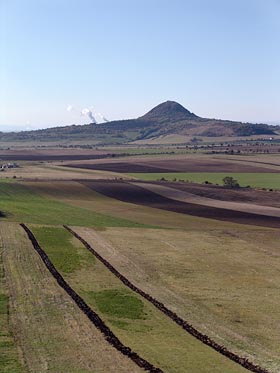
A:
[19, 203]
[3, 303]
[118, 303]
[53, 333]
[68, 257]
[257, 180]
[135, 322]
[224, 281]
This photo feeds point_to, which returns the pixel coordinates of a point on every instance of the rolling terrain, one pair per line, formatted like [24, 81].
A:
[102, 269]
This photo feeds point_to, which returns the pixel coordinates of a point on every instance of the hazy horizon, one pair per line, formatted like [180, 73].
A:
[19, 128]
[64, 60]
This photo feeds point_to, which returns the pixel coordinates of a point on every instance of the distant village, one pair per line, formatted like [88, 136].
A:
[5, 166]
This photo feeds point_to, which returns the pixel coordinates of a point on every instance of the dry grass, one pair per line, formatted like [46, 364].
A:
[10, 353]
[224, 281]
[54, 171]
[135, 321]
[54, 334]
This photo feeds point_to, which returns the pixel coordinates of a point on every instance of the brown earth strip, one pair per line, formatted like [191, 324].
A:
[51, 157]
[127, 192]
[171, 165]
[172, 315]
[245, 195]
[258, 162]
[70, 154]
[122, 167]
[184, 196]
[93, 317]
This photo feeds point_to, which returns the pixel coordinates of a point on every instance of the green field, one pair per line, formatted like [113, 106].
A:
[256, 180]
[20, 203]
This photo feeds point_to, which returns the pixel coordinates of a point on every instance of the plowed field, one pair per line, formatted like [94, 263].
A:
[128, 192]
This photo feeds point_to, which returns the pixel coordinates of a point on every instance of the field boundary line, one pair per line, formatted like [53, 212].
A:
[245, 363]
[110, 337]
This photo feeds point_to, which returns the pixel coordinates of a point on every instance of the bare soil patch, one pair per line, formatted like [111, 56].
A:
[260, 197]
[52, 154]
[189, 197]
[122, 167]
[137, 195]
[178, 164]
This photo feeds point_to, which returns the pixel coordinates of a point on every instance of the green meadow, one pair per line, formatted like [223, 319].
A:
[21, 204]
[255, 180]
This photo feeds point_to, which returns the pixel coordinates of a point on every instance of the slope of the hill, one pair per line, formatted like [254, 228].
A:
[168, 118]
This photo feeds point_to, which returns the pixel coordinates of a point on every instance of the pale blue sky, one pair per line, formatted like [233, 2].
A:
[218, 58]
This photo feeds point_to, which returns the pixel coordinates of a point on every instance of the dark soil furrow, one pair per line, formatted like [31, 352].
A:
[172, 315]
[170, 165]
[128, 192]
[93, 317]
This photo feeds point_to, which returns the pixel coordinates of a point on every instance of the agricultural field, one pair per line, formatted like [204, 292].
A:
[255, 180]
[102, 266]
[248, 170]
[52, 333]
[212, 283]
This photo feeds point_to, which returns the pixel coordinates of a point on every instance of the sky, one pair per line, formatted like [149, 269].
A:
[58, 58]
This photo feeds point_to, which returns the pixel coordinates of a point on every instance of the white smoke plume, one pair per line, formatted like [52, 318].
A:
[88, 112]
[103, 118]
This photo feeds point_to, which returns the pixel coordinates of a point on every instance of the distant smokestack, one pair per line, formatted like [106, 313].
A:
[88, 112]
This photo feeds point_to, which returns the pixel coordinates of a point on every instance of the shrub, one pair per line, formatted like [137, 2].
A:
[230, 182]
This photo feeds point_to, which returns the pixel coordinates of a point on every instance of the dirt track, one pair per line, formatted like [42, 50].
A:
[93, 317]
[172, 315]
[134, 194]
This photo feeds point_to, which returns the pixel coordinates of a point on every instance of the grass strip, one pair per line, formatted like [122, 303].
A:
[256, 180]
[84, 307]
